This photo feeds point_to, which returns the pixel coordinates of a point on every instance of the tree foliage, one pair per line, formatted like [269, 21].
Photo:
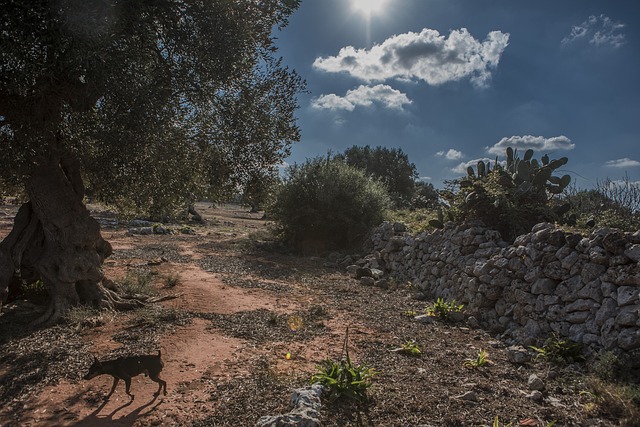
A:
[327, 204]
[389, 165]
[152, 102]
[160, 101]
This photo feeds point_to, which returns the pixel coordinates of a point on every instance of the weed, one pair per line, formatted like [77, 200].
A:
[411, 348]
[443, 309]
[273, 318]
[171, 280]
[344, 379]
[295, 323]
[482, 359]
[616, 401]
[318, 310]
[409, 313]
[559, 350]
[83, 317]
[138, 283]
[605, 365]
[416, 220]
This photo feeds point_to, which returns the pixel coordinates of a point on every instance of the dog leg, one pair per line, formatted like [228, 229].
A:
[127, 382]
[116, 380]
[161, 384]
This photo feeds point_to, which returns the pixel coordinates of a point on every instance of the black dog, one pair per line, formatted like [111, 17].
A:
[124, 368]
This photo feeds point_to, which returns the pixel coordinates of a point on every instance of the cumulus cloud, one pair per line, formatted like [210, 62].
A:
[599, 30]
[451, 154]
[364, 96]
[332, 102]
[426, 56]
[536, 143]
[622, 163]
[462, 167]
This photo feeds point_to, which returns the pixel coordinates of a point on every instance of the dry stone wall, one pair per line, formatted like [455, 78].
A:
[547, 281]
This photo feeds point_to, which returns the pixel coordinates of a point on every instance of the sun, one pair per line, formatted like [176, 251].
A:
[368, 7]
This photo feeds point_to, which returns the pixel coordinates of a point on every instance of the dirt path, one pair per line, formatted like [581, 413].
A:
[194, 354]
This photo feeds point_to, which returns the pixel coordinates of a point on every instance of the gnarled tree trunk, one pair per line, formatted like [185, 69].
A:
[54, 238]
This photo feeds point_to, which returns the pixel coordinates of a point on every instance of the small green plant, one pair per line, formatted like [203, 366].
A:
[411, 348]
[344, 379]
[443, 309]
[409, 313]
[482, 359]
[559, 350]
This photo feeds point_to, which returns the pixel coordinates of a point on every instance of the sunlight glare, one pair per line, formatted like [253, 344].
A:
[368, 7]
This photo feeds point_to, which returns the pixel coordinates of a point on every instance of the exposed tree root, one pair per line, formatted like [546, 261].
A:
[110, 300]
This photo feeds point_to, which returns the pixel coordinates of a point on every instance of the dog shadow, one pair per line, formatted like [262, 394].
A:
[97, 418]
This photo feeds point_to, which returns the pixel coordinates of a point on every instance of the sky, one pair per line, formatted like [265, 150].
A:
[453, 81]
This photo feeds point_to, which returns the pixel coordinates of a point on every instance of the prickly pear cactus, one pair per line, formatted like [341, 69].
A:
[513, 195]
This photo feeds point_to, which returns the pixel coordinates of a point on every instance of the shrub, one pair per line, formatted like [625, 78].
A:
[559, 350]
[325, 204]
[613, 204]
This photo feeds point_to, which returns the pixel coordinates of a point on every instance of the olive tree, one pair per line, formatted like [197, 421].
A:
[153, 103]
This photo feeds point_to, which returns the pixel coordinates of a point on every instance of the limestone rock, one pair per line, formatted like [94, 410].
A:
[518, 354]
[535, 383]
[305, 403]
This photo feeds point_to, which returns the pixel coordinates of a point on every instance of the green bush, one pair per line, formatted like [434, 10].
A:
[326, 204]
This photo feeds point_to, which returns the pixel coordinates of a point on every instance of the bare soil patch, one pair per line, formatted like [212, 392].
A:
[241, 305]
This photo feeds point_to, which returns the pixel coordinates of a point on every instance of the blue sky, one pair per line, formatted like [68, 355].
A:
[453, 81]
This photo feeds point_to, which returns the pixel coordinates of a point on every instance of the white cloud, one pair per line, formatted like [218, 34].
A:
[424, 178]
[427, 56]
[451, 154]
[364, 96]
[622, 163]
[536, 143]
[332, 102]
[599, 30]
[462, 167]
